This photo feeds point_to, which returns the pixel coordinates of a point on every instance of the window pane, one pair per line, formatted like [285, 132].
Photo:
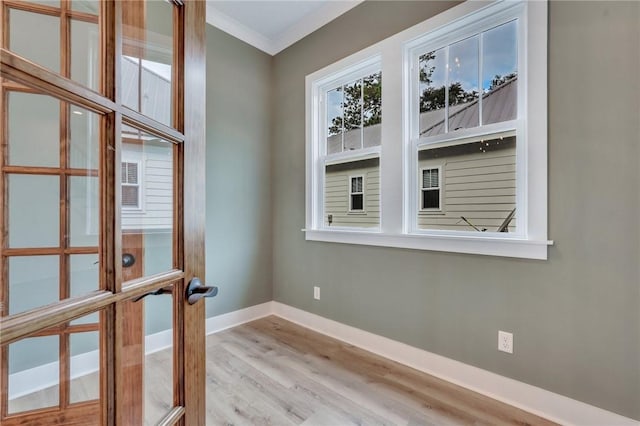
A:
[500, 74]
[153, 219]
[84, 138]
[33, 282]
[334, 121]
[431, 199]
[356, 202]
[34, 373]
[83, 211]
[34, 130]
[432, 92]
[42, 46]
[372, 109]
[477, 186]
[148, 58]
[352, 107]
[85, 53]
[34, 211]
[339, 201]
[463, 84]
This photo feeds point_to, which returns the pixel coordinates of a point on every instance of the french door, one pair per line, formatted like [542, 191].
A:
[102, 115]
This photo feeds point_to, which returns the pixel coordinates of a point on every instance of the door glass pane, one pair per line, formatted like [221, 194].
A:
[33, 282]
[34, 130]
[158, 360]
[84, 366]
[148, 58]
[84, 138]
[83, 211]
[84, 53]
[147, 197]
[34, 211]
[41, 43]
[84, 278]
[34, 373]
[86, 6]
[51, 3]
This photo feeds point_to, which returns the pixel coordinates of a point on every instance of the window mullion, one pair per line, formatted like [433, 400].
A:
[480, 70]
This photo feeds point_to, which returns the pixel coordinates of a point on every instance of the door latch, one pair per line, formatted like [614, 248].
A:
[196, 291]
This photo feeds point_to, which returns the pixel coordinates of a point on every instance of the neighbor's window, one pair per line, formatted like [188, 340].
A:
[430, 189]
[356, 194]
[131, 185]
[452, 149]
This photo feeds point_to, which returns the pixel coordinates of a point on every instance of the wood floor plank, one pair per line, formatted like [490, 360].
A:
[272, 372]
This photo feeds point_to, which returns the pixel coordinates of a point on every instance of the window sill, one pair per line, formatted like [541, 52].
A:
[490, 246]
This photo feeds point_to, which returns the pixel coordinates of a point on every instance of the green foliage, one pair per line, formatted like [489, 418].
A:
[361, 104]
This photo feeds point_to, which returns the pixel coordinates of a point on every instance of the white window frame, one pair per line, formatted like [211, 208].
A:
[139, 185]
[440, 188]
[398, 152]
[363, 210]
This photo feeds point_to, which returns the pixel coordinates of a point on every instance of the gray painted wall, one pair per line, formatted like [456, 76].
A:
[575, 317]
[238, 239]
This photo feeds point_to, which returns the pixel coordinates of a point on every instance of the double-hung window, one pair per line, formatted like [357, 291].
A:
[346, 155]
[459, 161]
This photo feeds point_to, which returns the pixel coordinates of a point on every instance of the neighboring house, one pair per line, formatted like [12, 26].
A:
[472, 184]
[474, 181]
[352, 194]
[147, 186]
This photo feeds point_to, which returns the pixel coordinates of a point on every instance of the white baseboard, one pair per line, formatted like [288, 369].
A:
[241, 316]
[530, 398]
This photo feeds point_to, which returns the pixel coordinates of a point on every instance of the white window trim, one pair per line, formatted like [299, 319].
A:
[363, 210]
[398, 160]
[432, 210]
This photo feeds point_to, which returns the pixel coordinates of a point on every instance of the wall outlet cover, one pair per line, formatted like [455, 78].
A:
[505, 342]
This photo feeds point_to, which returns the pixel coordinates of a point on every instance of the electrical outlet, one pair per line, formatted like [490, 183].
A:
[505, 342]
[316, 293]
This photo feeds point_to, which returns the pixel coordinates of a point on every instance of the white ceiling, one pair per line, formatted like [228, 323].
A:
[272, 26]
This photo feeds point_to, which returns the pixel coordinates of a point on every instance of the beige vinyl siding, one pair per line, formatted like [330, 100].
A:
[479, 186]
[337, 181]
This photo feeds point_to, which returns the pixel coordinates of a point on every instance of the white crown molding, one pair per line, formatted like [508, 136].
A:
[239, 30]
[305, 26]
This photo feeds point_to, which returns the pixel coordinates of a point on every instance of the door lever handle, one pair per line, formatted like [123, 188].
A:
[196, 291]
[163, 290]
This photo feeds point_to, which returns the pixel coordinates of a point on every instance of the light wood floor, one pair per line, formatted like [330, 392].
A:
[273, 372]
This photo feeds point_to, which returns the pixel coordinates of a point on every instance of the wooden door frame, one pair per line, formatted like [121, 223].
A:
[189, 221]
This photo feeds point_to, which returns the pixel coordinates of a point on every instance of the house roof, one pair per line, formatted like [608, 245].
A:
[498, 105]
